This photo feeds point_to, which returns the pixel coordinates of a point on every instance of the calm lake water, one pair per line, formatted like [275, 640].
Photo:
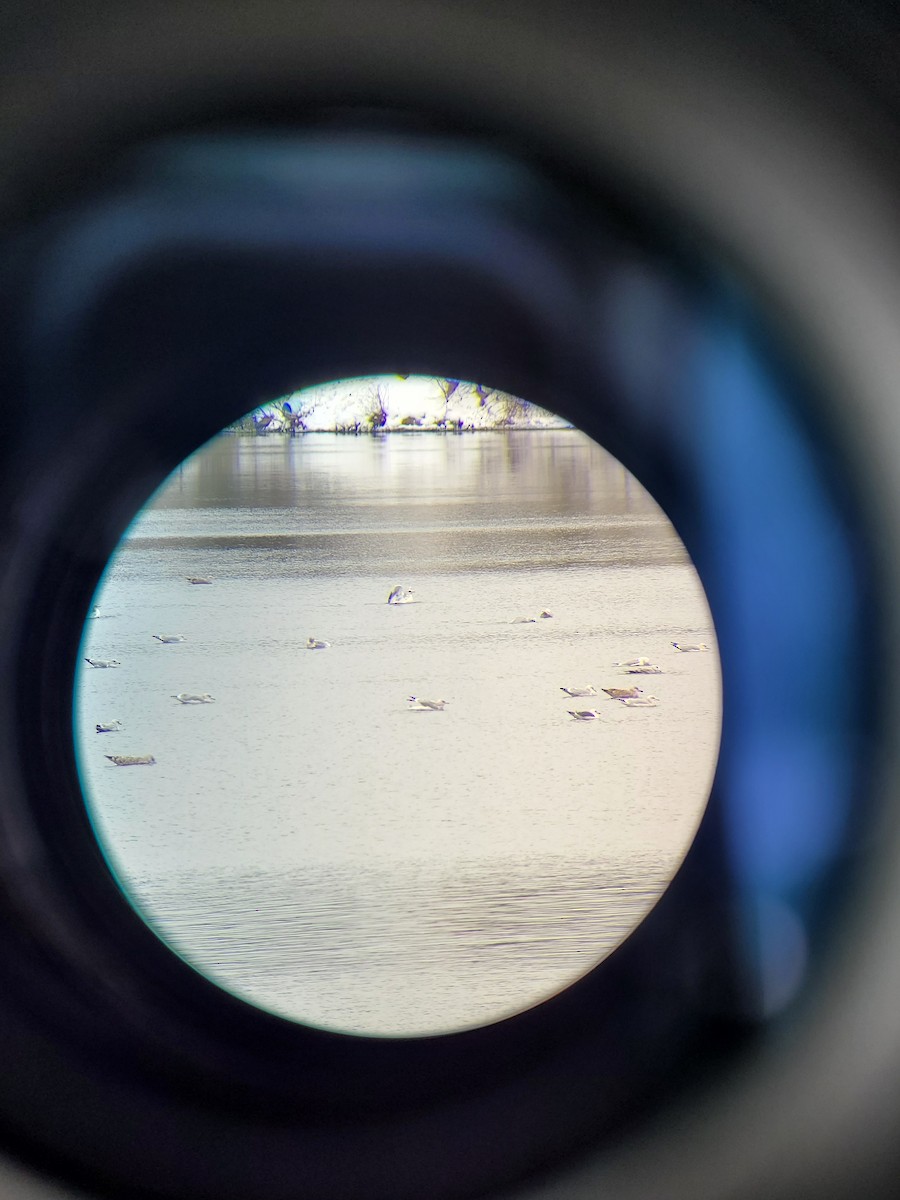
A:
[313, 845]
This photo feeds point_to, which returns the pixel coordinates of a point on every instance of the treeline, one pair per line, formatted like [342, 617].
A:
[369, 407]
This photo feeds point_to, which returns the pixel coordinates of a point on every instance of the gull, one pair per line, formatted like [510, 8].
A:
[196, 579]
[639, 701]
[131, 760]
[417, 705]
[546, 615]
[587, 690]
[168, 638]
[622, 693]
[194, 698]
[684, 647]
[523, 621]
[634, 662]
[584, 714]
[95, 613]
[646, 669]
[102, 662]
[401, 595]
[109, 726]
[314, 644]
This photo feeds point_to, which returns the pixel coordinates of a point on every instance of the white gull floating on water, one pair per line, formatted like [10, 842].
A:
[109, 726]
[193, 698]
[102, 663]
[401, 595]
[417, 705]
[131, 760]
[638, 701]
[169, 638]
[587, 690]
[685, 647]
[584, 714]
[315, 644]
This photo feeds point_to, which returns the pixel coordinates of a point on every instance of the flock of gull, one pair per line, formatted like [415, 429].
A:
[632, 697]
[103, 664]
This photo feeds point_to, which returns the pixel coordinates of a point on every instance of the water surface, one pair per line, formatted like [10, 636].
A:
[309, 842]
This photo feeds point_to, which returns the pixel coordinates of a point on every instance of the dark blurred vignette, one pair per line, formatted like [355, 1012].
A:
[80, 83]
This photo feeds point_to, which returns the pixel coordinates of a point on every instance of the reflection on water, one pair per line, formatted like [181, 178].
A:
[418, 948]
[309, 842]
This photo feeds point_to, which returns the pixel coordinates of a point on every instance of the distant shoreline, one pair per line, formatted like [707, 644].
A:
[390, 431]
[397, 404]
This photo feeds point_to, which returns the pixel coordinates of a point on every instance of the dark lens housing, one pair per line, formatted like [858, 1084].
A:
[194, 275]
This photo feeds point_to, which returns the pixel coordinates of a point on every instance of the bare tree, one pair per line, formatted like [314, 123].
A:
[447, 388]
[294, 413]
[507, 409]
[376, 407]
[287, 415]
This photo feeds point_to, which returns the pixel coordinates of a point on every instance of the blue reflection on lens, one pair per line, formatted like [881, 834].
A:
[783, 573]
[790, 591]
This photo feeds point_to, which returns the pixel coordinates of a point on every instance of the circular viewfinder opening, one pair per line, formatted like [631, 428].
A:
[398, 706]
